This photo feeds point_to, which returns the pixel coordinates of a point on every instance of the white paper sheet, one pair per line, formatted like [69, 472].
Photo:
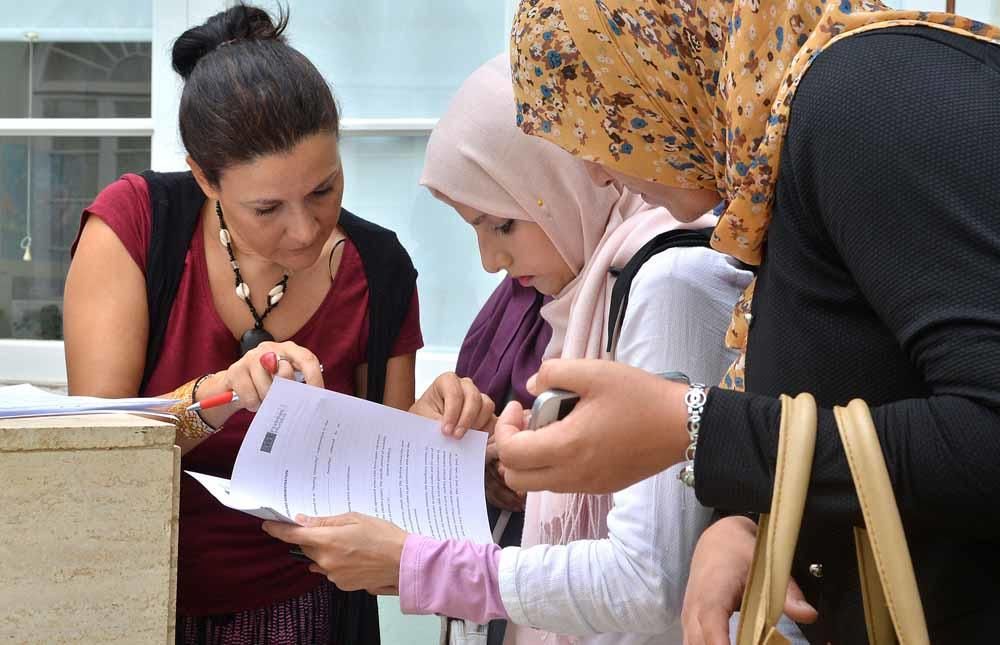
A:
[316, 452]
[221, 489]
[26, 400]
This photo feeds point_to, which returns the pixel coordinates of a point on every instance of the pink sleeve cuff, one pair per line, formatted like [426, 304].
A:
[453, 578]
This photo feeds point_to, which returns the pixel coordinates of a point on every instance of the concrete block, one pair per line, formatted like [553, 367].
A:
[88, 534]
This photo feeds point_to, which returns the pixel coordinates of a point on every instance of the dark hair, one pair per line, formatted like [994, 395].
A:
[247, 93]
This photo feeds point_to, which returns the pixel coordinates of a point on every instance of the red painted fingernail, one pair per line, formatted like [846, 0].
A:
[269, 361]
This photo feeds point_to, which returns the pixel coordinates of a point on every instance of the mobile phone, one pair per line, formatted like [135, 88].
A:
[551, 406]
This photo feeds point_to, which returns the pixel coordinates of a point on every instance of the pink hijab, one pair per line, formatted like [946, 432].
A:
[477, 156]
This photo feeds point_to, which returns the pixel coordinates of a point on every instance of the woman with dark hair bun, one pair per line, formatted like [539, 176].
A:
[215, 280]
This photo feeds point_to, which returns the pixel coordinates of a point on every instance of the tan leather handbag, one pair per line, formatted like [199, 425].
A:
[893, 612]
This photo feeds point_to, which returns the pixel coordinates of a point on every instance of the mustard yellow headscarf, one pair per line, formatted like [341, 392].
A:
[691, 94]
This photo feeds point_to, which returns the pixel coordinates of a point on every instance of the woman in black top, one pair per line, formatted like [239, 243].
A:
[878, 277]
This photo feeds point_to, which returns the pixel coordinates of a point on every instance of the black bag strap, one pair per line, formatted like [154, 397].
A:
[677, 238]
[392, 280]
[175, 200]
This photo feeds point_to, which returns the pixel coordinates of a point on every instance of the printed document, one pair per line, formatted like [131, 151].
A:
[317, 452]
[26, 400]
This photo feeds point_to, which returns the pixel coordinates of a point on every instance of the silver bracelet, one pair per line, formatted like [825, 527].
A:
[694, 399]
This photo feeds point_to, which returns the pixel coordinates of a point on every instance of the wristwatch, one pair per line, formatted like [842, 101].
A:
[694, 399]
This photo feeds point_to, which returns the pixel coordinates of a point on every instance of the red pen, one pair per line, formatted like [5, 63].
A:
[226, 398]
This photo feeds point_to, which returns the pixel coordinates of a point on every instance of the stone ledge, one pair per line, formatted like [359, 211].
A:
[84, 432]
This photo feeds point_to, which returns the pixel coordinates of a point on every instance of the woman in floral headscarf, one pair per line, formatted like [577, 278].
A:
[855, 147]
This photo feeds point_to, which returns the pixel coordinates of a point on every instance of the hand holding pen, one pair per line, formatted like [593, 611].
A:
[232, 397]
[245, 383]
[261, 365]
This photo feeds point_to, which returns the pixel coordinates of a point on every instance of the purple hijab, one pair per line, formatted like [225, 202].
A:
[505, 343]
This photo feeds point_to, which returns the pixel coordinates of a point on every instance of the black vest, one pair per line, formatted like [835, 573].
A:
[176, 201]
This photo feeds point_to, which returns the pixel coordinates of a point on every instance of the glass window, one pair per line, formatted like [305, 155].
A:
[62, 59]
[45, 183]
[75, 80]
[14, 76]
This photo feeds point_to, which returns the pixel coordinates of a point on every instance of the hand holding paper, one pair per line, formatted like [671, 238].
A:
[314, 452]
[457, 403]
[354, 551]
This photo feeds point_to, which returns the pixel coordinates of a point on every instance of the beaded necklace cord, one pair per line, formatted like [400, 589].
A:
[256, 334]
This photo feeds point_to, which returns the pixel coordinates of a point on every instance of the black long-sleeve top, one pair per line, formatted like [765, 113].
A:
[881, 280]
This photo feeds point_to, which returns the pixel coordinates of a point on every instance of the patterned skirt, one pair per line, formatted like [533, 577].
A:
[324, 616]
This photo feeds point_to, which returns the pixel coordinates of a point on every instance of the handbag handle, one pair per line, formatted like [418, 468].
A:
[778, 531]
[893, 610]
[889, 587]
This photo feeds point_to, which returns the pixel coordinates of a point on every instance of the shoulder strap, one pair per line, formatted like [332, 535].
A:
[175, 200]
[392, 280]
[623, 277]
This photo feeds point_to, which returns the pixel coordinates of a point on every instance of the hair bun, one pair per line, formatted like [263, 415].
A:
[239, 23]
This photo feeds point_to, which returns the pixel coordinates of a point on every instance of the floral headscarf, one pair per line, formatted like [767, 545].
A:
[687, 93]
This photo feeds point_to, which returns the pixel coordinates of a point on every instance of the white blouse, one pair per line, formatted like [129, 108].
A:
[629, 587]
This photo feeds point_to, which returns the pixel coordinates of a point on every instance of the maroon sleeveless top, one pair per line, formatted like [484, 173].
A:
[226, 563]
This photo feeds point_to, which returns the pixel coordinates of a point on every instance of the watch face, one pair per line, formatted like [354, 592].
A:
[680, 377]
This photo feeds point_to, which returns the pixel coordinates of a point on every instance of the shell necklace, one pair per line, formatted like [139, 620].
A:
[257, 334]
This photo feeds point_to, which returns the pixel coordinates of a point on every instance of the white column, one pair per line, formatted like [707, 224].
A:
[170, 19]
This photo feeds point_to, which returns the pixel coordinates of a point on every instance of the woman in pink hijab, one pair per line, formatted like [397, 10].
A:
[591, 568]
